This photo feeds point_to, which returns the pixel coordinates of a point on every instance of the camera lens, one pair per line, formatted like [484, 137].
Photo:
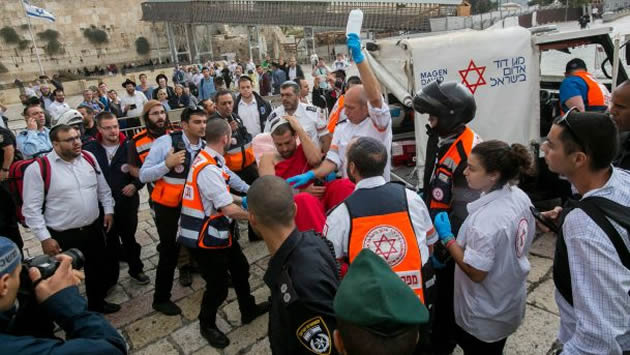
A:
[78, 260]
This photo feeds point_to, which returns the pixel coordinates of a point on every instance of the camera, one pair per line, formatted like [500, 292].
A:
[47, 265]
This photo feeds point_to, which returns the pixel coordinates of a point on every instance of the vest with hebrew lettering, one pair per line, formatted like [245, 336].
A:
[196, 228]
[380, 222]
[168, 190]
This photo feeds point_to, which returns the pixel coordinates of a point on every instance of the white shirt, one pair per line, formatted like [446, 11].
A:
[137, 99]
[212, 188]
[72, 200]
[56, 109]
[599, 321]
[197, 78]
[110, 150]
[377, 125]
[337, 228]
[496, 237]
[292, 73]
[248, 112]
[310, 117]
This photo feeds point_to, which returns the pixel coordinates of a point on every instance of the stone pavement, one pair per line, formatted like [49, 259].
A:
[148, 332]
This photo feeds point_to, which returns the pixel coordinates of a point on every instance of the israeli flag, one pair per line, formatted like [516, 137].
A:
[38, 12]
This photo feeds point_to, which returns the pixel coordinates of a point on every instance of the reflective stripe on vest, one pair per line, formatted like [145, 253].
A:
[168, 190]
[196, 229]
[334, 116]
[387, 230]
[240, 157]
[597, 96]
[440, 186]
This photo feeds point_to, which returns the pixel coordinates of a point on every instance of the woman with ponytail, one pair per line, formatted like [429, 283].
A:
[491, 248]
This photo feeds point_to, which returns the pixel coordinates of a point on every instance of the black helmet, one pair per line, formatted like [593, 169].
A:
[451, 102]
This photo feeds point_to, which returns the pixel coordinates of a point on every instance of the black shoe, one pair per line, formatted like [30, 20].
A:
[215, 337]
[140, 278]
[109, 308]
[167, 307]
[258, 311]
[185, 276]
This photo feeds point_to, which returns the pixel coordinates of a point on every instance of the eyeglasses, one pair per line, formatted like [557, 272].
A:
[565, 120]
[71, 139]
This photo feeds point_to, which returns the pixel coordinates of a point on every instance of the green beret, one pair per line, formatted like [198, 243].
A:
[372, 296]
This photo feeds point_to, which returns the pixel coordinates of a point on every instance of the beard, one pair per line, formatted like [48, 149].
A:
[350, 177]
[155, 129]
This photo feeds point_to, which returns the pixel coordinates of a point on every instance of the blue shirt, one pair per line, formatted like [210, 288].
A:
[206, 89]
[570, 87]
[32, 143]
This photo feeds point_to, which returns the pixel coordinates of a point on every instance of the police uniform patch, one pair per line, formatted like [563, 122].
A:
[315, 336]
[387, 242]
[311, 108]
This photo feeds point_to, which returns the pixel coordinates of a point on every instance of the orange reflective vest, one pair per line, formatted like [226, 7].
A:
[441, 185]
[143, 142]
[597, 96]
[386, 229]
[168, 190]
[196, 229]
[240, 157]
[334, 115]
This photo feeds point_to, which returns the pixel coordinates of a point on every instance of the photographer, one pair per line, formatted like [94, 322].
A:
[59, 298]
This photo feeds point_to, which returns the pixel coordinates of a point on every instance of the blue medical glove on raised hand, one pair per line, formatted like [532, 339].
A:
[443, 227]
[302, 179]
[244, 202]
[354, 47]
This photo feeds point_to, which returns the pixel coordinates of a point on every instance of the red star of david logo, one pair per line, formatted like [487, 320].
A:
[385, 253]
[472, 67]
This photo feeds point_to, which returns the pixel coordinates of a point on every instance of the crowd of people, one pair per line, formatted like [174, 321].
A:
[359, 264]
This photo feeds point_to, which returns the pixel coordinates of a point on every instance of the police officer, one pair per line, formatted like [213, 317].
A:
[450, 106]
[491, 249]
[398, 228]
[581, 90]
[206, 226]
[310, 117]
[167, 165]
[302, 273]
[376, 312]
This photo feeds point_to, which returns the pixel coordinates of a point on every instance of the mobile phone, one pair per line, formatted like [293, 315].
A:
[318, 182]
[544, 220]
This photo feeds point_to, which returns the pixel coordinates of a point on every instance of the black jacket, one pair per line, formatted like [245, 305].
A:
[264, 108]
[623, 158]
[302, 277]
[116, 173]
[298, 71]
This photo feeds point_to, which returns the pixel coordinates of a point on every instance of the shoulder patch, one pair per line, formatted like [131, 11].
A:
[315, 336]
[287, 292]
[311, 108]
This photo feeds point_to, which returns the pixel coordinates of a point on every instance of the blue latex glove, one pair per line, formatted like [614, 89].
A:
[354, 47]
[443, 227]
[330, 177]
[244, 202]
[302, 179]
[436, 263]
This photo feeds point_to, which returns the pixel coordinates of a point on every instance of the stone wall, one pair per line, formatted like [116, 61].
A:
[120, 19]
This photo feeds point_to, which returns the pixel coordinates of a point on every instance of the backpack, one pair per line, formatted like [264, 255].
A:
[16, 179]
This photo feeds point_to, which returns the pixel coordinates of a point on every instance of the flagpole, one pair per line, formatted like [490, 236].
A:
[39, 61]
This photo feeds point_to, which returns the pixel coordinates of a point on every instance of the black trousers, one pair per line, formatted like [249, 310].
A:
[90, 240]
[473, 346]
[249, 175]
[442, 338]
[8, 218]
[214, 266]
[121, 239]
[166, 222]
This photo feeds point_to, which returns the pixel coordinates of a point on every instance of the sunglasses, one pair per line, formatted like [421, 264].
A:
[564, 120]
